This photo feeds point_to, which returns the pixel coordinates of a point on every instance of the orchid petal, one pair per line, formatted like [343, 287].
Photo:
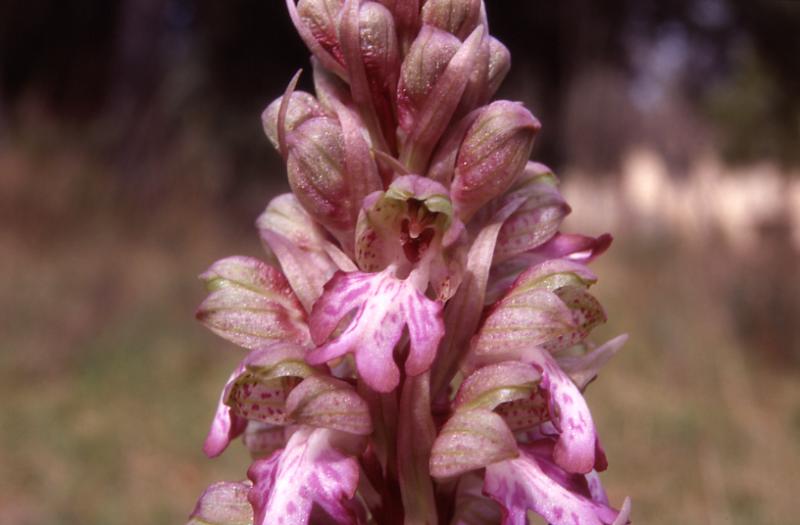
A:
[424, 63]
[510, 389]
[492, 385]
[301, 107]
[454, 16]
[307, 257]
[499, 66]
[525, 413]
[226, 425]
[577, 448]
[223, 503]
[326, 402]
[331, 90]
[595, 488]
[369, 44]
[256, 390]
[574, 247]
[384, 306]
[536, 221]
[251, 304]
[350, 39]
[379, 234]
[406, 15]
[308, 480]
[331, 170]
[521, 484]
[547, 305]
[516, 322]
[492, 155]
[475, 92]
[471, 439]
[583, 369]
[443, 163]
[522, 325]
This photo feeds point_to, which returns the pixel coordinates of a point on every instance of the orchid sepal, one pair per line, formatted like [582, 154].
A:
[326, 402]
[471, 439]
[306, 255]
[223, 503]
[251, 304]
[257, 390]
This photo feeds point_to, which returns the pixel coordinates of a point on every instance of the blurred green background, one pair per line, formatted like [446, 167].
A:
[131, 157]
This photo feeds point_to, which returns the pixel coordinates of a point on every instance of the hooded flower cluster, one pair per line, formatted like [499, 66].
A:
[416, 341]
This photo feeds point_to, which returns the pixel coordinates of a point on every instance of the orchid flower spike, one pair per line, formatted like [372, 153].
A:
[417, 343]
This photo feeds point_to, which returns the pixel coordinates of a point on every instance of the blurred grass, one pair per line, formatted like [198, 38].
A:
[108, 384]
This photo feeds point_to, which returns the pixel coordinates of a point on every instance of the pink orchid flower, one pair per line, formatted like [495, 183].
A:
[417, 345]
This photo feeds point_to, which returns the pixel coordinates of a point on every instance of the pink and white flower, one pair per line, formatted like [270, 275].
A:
[417, 345]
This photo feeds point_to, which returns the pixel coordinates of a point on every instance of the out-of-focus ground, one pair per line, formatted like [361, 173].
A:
[107, 384]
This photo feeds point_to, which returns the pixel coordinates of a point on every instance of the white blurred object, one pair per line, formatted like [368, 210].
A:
[648, 199]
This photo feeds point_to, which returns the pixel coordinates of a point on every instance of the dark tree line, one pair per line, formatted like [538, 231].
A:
[145, 66]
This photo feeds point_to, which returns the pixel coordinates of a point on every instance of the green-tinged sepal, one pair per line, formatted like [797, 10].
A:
[492, 155]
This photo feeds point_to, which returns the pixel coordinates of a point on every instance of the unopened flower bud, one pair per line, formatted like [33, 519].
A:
[459, 17]
[492, 155]
[406, 17]
[316, 167]
[321, 17]
[381, 58]
[499, 66]
[428, 95]
[317, 21]
[331, 171]
[491, 66]
[475, 93]
[302, 106]
[378, 40]
[423, 65]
